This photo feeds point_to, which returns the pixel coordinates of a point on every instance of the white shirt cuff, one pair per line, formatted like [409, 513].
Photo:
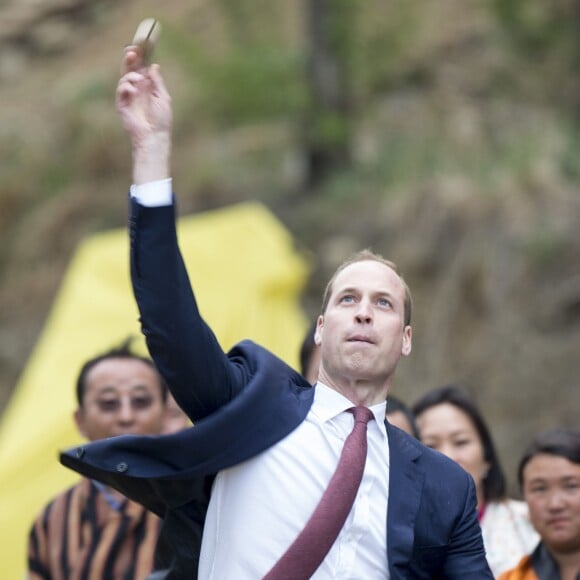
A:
[153, 194]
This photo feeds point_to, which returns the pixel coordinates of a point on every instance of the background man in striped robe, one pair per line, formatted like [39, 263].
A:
[91, 531]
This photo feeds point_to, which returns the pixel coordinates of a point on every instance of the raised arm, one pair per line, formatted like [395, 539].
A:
[185, 350]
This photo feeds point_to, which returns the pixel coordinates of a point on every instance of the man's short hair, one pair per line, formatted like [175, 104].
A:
[123, 351]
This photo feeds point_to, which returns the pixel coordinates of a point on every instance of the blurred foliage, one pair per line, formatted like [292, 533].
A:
[328, 127]
[255, 70]
[406, 156]
[245, 64]
[545, 37]
[56, 176]
[384, 46]
[243, 72]
[258, 84]
[540, 25]
[569, 162]
[544, 248]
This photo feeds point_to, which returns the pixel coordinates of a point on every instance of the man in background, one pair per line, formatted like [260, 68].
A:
[91, 530]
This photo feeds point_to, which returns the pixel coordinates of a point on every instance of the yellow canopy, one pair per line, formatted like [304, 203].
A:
[247, 277]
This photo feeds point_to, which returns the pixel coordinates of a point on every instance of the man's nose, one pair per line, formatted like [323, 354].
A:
[364, 312]
[126, 414]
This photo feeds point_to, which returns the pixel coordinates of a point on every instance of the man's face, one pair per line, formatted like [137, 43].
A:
[122, 396]
[552, 492]
[362, 333]
[176, 418]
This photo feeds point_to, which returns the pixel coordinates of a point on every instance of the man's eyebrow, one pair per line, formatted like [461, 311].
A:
[107, 390]
[386, 294]
[383, 293]
[346, 289]
[110, 389]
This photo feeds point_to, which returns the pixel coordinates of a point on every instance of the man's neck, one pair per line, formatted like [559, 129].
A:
[359, 392]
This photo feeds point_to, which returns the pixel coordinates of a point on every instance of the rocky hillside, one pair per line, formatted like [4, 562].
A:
[466, 173]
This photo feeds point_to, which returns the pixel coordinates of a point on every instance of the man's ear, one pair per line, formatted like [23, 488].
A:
[318, 331]
[407, 341]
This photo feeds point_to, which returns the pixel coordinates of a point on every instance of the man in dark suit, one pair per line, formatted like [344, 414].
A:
[236, 489]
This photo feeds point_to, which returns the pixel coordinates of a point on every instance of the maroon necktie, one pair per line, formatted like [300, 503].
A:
[309, 549]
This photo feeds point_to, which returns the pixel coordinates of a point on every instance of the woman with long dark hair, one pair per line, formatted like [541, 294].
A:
[450, 422]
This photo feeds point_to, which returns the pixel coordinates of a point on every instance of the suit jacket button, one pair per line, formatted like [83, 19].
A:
[80, 452]
[122, 467]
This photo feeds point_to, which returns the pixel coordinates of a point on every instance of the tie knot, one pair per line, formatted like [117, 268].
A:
[361, 414]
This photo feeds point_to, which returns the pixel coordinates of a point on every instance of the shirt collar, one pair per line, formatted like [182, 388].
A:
[329, 403]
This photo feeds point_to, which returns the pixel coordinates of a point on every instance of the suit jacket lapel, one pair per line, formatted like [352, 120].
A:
[405, 486]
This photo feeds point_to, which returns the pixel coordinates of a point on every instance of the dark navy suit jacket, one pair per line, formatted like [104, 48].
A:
[243, 403]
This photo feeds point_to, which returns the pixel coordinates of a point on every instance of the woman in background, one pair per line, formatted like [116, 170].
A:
[549, 475]
[450, 422]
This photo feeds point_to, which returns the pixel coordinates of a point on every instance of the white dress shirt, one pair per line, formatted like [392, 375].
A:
[154, 193]
[259, 507]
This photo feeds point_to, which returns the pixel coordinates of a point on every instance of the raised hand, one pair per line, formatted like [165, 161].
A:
[142, 99]
[144, 106]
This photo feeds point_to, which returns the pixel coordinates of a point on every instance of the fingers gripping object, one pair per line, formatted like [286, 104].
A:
[146, 37]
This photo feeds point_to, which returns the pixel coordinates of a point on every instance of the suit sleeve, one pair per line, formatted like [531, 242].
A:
[466, 554]
[199, 374]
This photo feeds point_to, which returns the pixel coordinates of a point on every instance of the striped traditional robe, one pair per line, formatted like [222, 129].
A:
[83, 535]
